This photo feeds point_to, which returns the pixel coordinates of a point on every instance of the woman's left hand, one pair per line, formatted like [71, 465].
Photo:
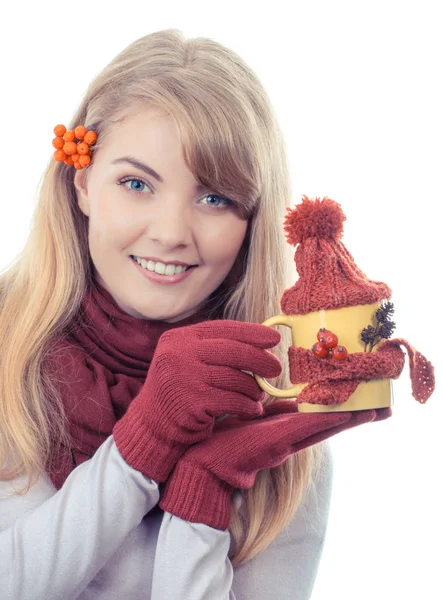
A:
[200, 487]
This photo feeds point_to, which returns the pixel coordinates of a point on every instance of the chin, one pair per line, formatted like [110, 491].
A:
[157, 315]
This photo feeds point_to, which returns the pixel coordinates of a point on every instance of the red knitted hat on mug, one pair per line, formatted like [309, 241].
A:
[329, 279]
[328, 275]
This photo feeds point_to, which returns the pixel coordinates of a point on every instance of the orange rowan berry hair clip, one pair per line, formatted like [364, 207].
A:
[68, 151]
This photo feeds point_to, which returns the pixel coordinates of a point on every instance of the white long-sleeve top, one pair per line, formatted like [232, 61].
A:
[101, 536]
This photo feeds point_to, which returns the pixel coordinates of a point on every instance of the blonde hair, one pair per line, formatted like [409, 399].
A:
[231, 143]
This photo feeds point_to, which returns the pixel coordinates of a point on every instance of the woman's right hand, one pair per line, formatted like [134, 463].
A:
[196, 375]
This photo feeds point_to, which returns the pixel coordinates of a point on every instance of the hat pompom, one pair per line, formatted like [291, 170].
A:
[314, 218]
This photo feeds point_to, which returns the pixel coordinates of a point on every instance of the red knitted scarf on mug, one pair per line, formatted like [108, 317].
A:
[99, 366]
[333, 382]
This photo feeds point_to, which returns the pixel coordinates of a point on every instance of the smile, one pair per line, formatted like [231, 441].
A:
[159, 267]
[153, 272]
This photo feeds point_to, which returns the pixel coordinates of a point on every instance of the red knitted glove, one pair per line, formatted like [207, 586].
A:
[195, 376]
[201, 485]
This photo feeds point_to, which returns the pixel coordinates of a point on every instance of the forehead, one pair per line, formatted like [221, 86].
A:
[149, 137]
[142, 127]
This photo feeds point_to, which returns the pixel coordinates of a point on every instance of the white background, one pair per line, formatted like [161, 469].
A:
[357, 87]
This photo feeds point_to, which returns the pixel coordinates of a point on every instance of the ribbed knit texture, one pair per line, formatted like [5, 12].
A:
[328, 276]
[143, 450]
[196, 375]
[104, 364]
[99, 366]
[201, 484]
[329, 279]
[198, 496]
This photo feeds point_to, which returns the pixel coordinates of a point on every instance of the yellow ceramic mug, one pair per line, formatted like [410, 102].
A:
[347, 323]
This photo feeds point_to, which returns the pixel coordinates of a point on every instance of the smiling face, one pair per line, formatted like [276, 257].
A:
[145, 209]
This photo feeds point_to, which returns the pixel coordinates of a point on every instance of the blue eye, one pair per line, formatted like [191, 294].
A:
[135, 185]
[218, 202]
[138, 186]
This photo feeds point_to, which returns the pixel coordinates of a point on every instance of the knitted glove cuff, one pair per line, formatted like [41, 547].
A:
[143, 451]
[196, 495]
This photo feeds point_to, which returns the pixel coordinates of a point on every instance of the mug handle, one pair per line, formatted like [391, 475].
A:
[263, 383]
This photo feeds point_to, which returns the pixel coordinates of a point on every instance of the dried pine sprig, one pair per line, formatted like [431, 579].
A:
[384, 328]
[368, 335]
[384, 312]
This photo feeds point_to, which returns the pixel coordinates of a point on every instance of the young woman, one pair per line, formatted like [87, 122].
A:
[139, 458]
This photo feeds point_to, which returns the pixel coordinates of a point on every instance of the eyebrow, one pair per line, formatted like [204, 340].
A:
[139, 165]
[147, 169]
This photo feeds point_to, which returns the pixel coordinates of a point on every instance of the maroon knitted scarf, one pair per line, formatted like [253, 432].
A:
[99, 366]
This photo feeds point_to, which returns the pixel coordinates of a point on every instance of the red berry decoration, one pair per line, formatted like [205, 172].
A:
[320, 351]
[326, 338]
[339, 353]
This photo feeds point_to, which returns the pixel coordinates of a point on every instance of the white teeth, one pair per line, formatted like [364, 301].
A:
[170, 270]
[160, 267]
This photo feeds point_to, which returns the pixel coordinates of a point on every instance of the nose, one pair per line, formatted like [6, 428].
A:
[169, 225]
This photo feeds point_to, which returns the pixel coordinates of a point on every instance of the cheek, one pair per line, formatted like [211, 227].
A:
[109, 223]
[223, 243]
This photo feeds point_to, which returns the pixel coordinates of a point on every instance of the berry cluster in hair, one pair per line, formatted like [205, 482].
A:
[71, 152]
[327, 346]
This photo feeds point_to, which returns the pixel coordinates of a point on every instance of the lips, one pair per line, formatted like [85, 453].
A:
[159, 278]
[185, 268]
[165, 262]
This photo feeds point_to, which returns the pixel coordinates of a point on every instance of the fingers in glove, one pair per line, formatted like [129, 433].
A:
[229, 403]
[328, 428]
[233, 380]
[255, 334]
[357, 418]
[240, 356]
[291, 433]
[280, 407]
